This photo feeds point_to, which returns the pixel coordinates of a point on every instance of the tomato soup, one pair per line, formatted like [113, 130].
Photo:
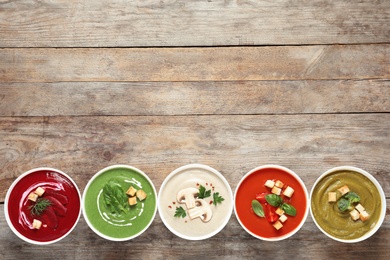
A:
[253, 184]
[18, 205]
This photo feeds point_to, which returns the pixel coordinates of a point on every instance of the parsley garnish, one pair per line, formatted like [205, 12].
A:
[203, 193]
[180, 212]
[217, 199]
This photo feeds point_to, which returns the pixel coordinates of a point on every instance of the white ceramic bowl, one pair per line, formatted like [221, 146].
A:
[193, 176]
[251, 184]
[380, 210]
[129, 225]
[18, 214]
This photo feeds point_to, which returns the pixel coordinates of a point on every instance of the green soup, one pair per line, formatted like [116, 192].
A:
[127, 224]
[340, 224]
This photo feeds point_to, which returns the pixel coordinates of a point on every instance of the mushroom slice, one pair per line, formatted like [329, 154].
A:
[203, 211]
[188, 196]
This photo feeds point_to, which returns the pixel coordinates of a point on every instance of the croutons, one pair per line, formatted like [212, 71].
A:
[270, 184]
[360, 208]
[39, 191]
[364, 215]
[276, 190]
[332, 197]
[288, 192]
[134, 194]
[343, 190]
[279, 211]
[354, 214]
[141, 195]
[36, 224]
[132, 200]
[33, 196]
[131, 191]
[283, 218]
[278, 225]
[279, 184]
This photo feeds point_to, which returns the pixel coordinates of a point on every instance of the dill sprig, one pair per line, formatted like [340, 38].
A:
[39, 207]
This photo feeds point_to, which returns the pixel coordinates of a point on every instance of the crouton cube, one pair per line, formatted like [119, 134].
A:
[131, 191]
[283, 218]
[364, 215]
[39, 191]
[270, 184]
[36, 224]
[332, 196]
[354, 214]
[279, 211]
[141, 195]
[278, 225]
[343, 190]
[288, 192]
[276, 190]
[132, 200]
[32, 196]
[279, 184]
[360, 208]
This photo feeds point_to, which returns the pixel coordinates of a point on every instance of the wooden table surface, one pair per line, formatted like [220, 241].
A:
[159, 84]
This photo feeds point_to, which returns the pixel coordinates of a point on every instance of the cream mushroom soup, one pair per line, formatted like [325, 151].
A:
[195, 202]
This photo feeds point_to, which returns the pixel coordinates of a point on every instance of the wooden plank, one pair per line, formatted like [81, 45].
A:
[194, 98]
[96, 23]
[308, 144]
[196, 64]
[159, 243]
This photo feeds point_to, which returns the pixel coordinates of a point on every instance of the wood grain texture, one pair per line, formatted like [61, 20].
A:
[194, 98]
[233, 144]
[98, 23]
[196, 64]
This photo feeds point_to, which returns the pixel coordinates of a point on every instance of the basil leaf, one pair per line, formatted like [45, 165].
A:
[274, 200]
[115, 198]
[257, 208]
[289, 209]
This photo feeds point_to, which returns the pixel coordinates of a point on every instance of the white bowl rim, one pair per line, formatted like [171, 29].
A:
[118, 166]
[296, 176]
[381, 193]
[8, 194]
[207, 168]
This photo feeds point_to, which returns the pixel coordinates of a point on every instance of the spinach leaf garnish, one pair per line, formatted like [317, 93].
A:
[115, 198]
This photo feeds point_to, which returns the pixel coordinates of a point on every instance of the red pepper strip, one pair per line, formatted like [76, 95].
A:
[270, 214]
[261, 197]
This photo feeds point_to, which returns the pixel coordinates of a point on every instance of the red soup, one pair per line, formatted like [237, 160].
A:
[55, 185]
[254, 184]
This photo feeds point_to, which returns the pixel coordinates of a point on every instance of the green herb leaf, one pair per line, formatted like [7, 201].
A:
[39, 207]
[343, 204]
[115, 198]
[289, 209]
[217, 199]
[257, 208]
[180, 212]
[203, 193]
[352, 197]
[274, 200]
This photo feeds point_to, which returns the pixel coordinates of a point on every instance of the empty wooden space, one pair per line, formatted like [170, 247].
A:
[160, 84]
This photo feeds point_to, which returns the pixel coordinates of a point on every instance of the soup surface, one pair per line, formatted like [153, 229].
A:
[19, 205]
[331, 219]
[125, 225]
[195, 177]
[253, 185]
